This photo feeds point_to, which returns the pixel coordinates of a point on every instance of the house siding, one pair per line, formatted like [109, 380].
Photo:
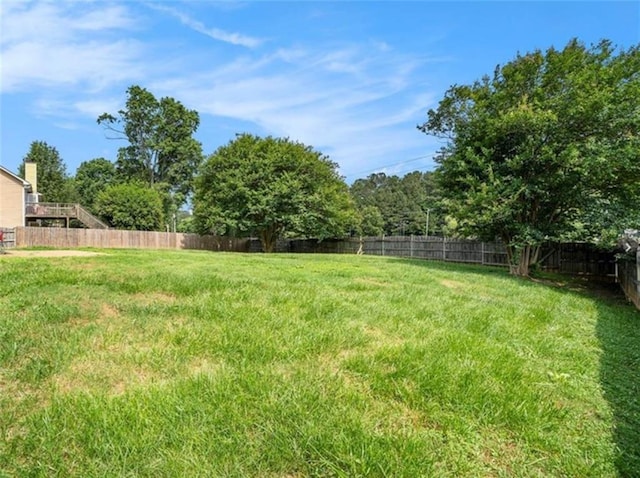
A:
[12, 200]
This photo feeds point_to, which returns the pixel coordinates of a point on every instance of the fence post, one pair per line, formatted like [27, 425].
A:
[18, 236]
[444, 248]
[411, 245]
[383, 244]
[482, 253]
[638, 271]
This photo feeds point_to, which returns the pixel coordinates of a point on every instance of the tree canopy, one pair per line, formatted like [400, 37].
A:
[394, 205]
[53, 183]
[93, 177]
[130, 206]
[271, 187]
[531, 148]
[162, 149]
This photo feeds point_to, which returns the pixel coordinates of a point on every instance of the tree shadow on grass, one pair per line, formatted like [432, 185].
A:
[471, 268]
[618, 331]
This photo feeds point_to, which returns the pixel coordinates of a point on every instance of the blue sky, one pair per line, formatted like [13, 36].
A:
[352, 79]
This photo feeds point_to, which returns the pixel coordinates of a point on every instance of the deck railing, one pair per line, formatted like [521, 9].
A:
[50, 209]
[64, 210]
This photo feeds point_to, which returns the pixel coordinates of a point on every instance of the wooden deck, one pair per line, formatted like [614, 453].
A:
[62, 211]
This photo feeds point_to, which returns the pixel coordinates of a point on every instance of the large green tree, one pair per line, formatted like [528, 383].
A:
[531, 148]
[405, 204]
[53, 183]
[162, 151]
[93, 177]
[132, 206]
[385, 194]
[272, 187]
[371, 221]
[424, 205]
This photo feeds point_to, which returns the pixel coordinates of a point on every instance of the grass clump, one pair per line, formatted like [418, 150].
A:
[149, 363]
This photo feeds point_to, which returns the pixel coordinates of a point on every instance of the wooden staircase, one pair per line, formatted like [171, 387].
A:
[61, 211]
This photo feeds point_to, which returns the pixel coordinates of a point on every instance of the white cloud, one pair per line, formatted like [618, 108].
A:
[351, 105]
[66, 110]
[95, 107]
[53, 22]
[112, 17]
[59, 45]
[353, 101]
[94, 64]
[381, 46]
[212, 32]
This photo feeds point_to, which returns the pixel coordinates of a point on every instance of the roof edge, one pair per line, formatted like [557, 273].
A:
[25, 183]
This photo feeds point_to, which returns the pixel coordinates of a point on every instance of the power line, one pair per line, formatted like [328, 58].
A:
[378, 168]
[407, 171]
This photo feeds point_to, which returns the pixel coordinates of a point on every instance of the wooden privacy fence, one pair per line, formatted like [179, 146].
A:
[572, 258]
[111, 238]
[579, 258]
[629, 277]
[569, 258]
[418, 247]
[8, 237]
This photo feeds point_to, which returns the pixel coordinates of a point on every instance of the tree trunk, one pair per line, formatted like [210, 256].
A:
[268, 238]
[522, 258]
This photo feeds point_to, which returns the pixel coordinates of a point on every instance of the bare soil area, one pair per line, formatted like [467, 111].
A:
[48, 253]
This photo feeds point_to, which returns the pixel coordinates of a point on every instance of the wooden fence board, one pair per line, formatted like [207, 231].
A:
[628, 273]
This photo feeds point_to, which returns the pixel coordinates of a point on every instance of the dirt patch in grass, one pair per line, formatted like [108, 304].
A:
[150, 298]
[50, 253]
[370, 281]
[106, 375]
[380, 338]
[203, 366]
[452, 284]
[108, 311]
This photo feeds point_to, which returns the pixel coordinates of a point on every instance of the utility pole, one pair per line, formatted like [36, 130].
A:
[426, 229]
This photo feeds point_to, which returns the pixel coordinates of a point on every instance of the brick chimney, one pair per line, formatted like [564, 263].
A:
[31, 175]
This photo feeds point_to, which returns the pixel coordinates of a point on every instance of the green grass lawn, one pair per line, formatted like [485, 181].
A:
[163, 363]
